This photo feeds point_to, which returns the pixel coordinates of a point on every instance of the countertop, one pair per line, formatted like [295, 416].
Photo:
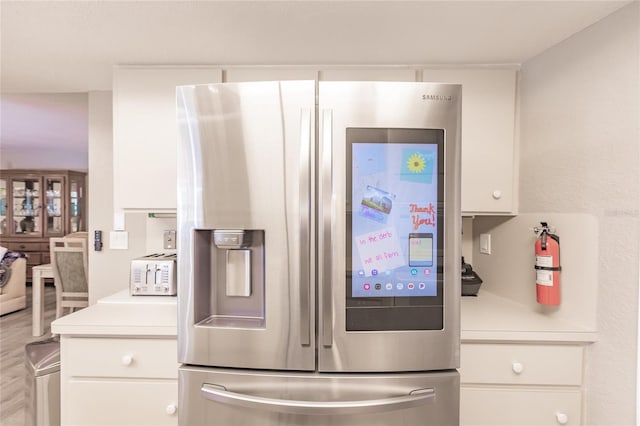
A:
[485, 318]
[123, 315]
[489, 317]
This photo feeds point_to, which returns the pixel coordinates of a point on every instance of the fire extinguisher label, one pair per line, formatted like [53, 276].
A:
[544, 261]
[544, 277]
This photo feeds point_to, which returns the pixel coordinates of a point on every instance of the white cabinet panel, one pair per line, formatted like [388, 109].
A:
[237, 75]
[145, 133]
[519, 407]
[368, 74]
[521, 384]
[489, 169]
[157, 358]
[121, 402]
[118, 381]
[521, 364]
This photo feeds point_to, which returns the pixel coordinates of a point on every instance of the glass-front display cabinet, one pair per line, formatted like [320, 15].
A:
[36, 205]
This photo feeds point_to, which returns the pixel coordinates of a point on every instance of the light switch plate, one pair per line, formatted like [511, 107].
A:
[118, 240]
[485, 243]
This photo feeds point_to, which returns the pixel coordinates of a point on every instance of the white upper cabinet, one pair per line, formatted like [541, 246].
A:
[368, 74]
[489, 166]
[145, 127]
[240, 74]
[145, 133]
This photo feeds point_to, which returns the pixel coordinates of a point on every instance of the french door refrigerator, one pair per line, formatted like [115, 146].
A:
[319, 253]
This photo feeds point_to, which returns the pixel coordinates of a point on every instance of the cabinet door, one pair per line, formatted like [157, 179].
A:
[489, 168]
[118, 402]
[368, 74]
[26, 193]
[77, 204]
[238, 75]
[146, 132]
[53, 208]
[519, 407]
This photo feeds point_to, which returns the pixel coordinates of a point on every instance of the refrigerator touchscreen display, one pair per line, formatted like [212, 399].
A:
[394, 215]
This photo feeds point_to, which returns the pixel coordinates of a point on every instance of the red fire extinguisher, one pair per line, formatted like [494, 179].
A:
[547, 266]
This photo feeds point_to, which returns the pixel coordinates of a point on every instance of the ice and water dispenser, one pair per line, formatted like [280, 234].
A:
[229, 278]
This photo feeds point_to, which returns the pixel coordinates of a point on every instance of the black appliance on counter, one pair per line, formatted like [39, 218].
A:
[471, 281]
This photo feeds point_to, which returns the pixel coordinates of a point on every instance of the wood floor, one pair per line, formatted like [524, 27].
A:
[15, 332]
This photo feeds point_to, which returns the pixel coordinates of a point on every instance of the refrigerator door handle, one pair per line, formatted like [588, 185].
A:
[305, 194]
[325, 236]
[414, 398]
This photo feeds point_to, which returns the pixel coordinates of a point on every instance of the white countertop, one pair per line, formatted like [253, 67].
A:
[123, 297]
[484, 318]
[123, 315]
[489, 317]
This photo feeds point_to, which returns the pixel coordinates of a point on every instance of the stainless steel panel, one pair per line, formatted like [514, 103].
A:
[239, 273]
[325, 246]
[307, 138]
[242, 166]
[383, 105]
[236, 397]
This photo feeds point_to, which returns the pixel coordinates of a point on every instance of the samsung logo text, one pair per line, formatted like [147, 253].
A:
[436, 98]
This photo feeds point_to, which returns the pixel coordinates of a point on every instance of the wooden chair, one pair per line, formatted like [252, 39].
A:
[69, 264]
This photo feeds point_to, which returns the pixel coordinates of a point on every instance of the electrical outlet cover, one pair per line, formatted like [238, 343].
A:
[169, 240]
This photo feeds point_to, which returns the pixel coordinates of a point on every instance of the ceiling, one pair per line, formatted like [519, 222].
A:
[52, 51]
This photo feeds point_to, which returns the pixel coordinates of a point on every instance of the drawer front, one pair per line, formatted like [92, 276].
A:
[535, 407]
[107, 357]
[27, 246]
[521, 364]
[120, 402]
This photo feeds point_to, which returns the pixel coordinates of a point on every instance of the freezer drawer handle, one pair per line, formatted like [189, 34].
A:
[413, 399]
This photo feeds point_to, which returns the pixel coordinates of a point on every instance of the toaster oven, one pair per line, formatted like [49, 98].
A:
[153, 275]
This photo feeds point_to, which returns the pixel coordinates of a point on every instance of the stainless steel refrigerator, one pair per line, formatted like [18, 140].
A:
[319, 253]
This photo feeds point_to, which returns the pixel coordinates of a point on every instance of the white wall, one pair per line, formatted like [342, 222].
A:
[579, 154]
[42, 158]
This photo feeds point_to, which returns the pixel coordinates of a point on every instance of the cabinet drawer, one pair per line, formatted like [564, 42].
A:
[20, 246]
[535, 407]
[107, 357]
[521, 364]
[120, 402]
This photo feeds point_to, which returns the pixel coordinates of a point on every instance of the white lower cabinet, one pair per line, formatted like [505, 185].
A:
[521, 384]
[112, 402]
[119, 381]
[526, 406]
